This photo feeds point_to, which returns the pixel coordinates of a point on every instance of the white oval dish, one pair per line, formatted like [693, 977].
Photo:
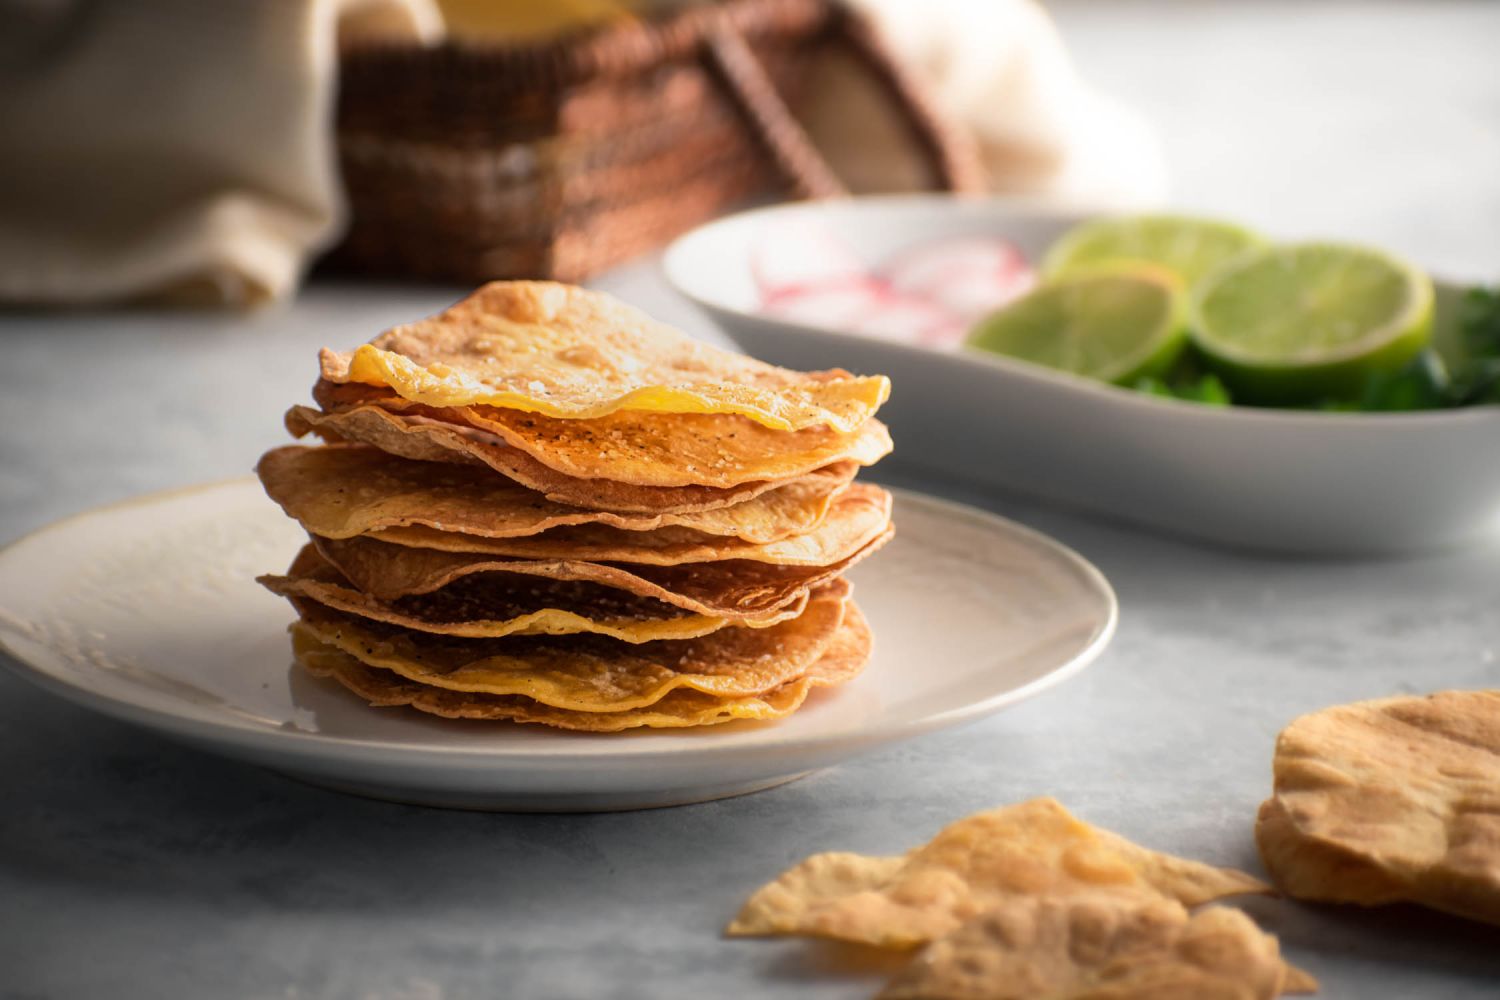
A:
[148, 611]
[1283, 480]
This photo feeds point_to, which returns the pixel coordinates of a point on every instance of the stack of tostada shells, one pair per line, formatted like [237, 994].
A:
[541, 505]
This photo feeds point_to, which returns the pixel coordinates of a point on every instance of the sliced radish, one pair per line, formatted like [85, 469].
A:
[929, 294]
[906, 320]
[839, 304]
[968, 275]
[926, 265]
[801, 254]
[974, 295]
[945, 335]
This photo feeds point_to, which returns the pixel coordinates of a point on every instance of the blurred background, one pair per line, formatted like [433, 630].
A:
[213, 153]
[1373, 121]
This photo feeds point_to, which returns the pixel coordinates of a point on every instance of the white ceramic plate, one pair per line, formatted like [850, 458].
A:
[1284, 480]
[148, 611]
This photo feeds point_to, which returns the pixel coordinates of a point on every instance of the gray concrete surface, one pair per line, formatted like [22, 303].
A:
[132, 868]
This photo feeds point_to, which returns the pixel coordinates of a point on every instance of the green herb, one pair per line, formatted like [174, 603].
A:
[1476, 382]
[1427, 383]
[1192, 387]
[1479, 321]
[1423, 384]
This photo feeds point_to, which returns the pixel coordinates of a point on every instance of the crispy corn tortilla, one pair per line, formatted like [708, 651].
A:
[430, 440]
[662, 451]
[734, 588]
[1298, 981]
[1030, 849]
[565, 351]
[339, 491]
[1099, 947]
[500, 604]
[857, 516]
[587, 673]
[1389, 800]
[844, 659]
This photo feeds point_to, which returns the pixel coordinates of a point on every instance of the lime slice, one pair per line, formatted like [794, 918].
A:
[1193, 248]
[1295, 324]
[1116, 325]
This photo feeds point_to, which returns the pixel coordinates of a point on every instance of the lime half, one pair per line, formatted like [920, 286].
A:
[1116, 325]
[1295, 324]
[1194, 248]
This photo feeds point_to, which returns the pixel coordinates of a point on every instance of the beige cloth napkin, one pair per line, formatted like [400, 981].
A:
[999, 68]
[174, 149]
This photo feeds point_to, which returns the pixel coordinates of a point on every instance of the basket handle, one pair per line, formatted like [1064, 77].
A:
[950, 155]
[752, 92]
[950, 152]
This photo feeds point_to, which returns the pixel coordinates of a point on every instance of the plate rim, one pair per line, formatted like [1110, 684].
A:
[291, 742]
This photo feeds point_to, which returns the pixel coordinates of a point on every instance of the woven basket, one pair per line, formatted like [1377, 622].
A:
[558, 160]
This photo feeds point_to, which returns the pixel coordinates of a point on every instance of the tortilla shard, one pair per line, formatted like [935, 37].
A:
[1095, 947]
[568, 352]
[681, 708]
[1033, 848]
[585, 673]
[340, 491]
[1390, 800]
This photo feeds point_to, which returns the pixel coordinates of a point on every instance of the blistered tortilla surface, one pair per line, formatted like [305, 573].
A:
[339, 491]
[1097, 947]
[1033, 848]
[841, 661]
[585, 672]
[1390, 800]
[431, 440]
[645, 449]
[565, 351]
[857, 516]
[501, 604]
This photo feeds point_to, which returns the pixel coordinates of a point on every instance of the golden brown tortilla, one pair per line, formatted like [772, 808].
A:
[858, 516]
[589, 673]
[1097, 947]
[498, 604]
[733, 588]
[844, 658]
[339, 491]
[565, 351]
[1034, 848]
[1390, 800]
[644, 449]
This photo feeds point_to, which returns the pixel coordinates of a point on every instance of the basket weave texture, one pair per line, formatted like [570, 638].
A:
[558, 160]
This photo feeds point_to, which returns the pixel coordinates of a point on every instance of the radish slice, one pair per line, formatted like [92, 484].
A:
[969, 275]
[906, 320]
[929, 294]
[946, 335]
[801, 254]
[975, 295]
[926, 265]
[839, 304]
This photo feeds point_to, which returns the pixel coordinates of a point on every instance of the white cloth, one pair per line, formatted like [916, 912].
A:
[173, 149]
[1000, 69]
